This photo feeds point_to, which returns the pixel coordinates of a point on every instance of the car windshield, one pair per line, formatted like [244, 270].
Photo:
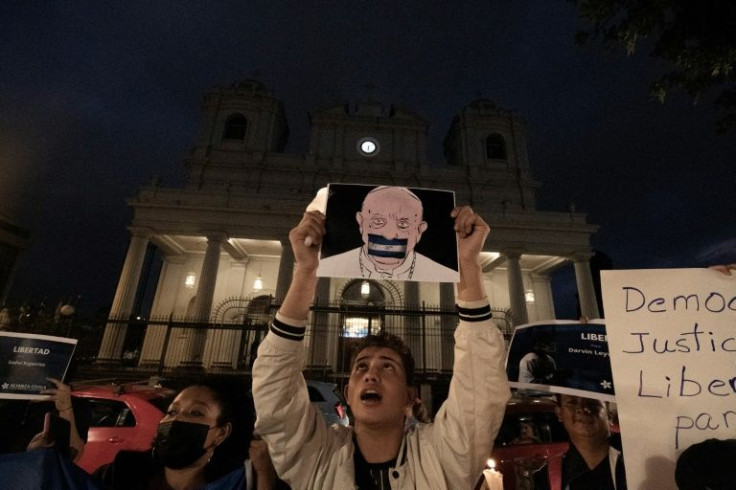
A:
[531, 428]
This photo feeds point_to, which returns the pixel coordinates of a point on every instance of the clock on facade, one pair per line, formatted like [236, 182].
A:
[368, 147]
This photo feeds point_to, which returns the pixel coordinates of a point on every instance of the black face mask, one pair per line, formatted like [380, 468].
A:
[179, 444]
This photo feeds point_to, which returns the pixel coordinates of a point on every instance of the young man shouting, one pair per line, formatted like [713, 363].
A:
[377, 452]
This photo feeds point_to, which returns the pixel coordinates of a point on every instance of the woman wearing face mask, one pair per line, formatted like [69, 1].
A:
[201, 443]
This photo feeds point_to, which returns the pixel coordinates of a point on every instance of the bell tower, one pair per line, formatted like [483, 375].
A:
[240, 123]
[490, 143]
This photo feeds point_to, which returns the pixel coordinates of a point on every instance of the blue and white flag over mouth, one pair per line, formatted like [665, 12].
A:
[385, 247]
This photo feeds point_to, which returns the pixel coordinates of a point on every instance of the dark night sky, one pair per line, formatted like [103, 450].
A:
[97, 97]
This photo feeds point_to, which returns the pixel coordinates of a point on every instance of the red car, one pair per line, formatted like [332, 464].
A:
[530, 445]
[124, 417]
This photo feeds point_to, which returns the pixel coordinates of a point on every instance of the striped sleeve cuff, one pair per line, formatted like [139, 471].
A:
[474, 311]
[280, 327]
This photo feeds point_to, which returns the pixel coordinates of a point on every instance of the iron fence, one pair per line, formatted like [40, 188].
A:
[170, 347]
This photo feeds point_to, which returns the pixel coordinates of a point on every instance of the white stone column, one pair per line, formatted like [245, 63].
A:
[208, 277]
[584, 281]
[122, 304]
[205, 294]
[516, 286]
[286, 270]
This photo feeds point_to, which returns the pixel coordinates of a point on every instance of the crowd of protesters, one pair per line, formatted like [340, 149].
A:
[210, 437]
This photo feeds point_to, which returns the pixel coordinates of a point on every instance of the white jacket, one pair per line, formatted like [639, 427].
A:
[450, 453]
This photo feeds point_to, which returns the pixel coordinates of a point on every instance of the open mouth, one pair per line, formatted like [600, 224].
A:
[370, 396]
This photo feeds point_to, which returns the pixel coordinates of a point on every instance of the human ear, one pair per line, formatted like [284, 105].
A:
[345, 393]
[225, 431]
[412, 395]
[359, 219]
[422, 228]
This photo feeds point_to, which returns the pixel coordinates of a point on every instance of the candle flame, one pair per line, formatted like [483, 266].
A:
[491, 464]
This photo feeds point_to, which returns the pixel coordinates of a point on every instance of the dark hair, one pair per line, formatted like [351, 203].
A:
[236, 408]
[707, 464]
[389, 341]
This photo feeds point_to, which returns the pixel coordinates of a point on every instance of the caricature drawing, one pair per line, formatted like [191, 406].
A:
[391, 223]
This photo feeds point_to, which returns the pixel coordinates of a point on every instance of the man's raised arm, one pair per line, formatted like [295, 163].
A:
[472, 232]
[298, 299]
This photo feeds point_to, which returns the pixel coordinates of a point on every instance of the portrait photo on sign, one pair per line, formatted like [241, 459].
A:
[561, 356]
[388, 232]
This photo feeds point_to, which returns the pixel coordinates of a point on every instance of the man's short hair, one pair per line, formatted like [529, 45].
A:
[390, 341]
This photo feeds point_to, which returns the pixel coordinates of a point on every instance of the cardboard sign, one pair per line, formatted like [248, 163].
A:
[384, 232]
[672, 338]
[26, 360]
[561, 357]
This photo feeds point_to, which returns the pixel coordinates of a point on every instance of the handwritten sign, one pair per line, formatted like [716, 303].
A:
[561, 357]
[672, 339]
[26, 360]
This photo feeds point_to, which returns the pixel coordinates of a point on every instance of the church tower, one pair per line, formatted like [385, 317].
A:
[240, 124]
[490, 144]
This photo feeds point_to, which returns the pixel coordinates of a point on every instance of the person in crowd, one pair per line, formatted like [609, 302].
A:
[377, 452]
[61, 396]
[707, 465]
[527, 433]
[417, 414]
[262, 467]
[23, 420]
[202, 442]
[591, 462]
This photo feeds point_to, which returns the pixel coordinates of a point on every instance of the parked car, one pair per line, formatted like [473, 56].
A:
[530, 444]
[327, 397]
[124, 417]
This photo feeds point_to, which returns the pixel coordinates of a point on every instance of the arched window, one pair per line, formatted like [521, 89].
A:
[495, 147]
[235, 127]
[363, 302]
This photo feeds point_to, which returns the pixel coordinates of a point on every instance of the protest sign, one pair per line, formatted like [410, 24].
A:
[559, 356]
[26, 360]
[672, 339]
[384, 232]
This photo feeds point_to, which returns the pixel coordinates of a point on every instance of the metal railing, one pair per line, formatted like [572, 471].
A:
[175, 347]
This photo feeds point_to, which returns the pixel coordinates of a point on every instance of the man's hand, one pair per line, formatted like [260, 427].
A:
[42, 440]
[61, 395]
[262, 465]
[311, 227]
[471, 233]
[725, 269]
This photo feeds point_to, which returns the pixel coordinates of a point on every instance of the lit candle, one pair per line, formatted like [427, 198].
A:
[494, 479]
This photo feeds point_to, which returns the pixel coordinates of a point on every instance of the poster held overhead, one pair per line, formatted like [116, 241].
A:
[386, 232]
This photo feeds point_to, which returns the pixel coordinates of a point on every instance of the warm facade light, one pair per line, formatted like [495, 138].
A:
[365, 289]
[190, 280]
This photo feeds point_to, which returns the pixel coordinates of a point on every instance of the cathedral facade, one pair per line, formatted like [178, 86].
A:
[222, 240]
